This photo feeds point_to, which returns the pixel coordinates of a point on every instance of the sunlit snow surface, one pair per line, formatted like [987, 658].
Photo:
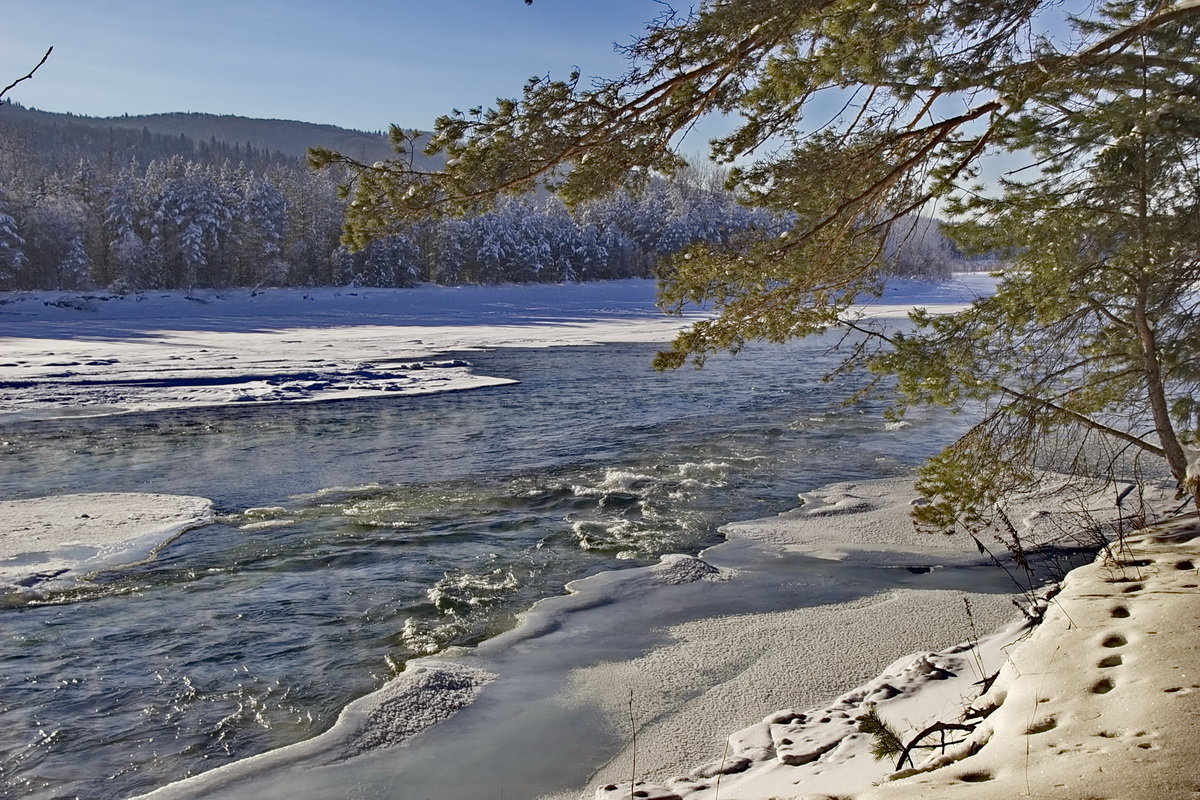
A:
[101, 353]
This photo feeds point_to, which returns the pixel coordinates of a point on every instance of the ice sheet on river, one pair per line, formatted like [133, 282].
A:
[50, 541]
[77, 354]
[94, 354]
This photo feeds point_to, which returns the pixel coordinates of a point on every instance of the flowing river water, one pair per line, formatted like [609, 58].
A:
[354, 535]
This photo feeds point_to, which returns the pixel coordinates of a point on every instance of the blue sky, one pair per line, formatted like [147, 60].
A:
[356, 63]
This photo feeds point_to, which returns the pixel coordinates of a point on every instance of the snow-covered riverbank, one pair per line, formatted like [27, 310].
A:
[1095, 701]
[1097, 698]
[754, 635]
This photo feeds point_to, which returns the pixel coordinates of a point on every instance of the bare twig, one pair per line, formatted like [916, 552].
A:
[975, 651]
[4, 91]
[633, 746]
[937, 727]
[721, 771]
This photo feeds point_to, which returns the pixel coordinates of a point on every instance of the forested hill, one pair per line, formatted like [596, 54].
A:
[198, 200]
[273, 135]
[151, 136]
[42, 142]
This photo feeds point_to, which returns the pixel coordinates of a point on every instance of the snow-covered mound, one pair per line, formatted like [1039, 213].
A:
[1103, 699]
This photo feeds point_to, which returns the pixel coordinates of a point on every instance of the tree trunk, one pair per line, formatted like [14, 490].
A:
[1156, 394]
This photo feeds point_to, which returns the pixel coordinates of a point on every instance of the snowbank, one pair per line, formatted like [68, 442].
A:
[1099, 700]
[51, 541]
[1103, 700]
[719, 674]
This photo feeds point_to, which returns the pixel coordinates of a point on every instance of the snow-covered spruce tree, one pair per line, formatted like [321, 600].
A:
[313, 224]
[390, 261]
[191, 222]
[258, 230]
[858, 112]
[123, 220]
[53, 230]
[76, 267]
[12, 254]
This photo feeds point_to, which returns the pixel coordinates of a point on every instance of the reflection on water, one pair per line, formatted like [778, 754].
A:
[354, 535]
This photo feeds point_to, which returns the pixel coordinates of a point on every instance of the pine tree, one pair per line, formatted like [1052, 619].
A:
[76, 267]
[1086, 356]
[391, 261]
[314, 220]
[260, 226]
[123, 225]
[190, 224]
[1101, 97]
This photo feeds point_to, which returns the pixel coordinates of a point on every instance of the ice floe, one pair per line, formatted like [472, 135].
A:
[51, 542]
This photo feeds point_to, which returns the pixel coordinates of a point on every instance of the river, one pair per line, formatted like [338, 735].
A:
[354, 535]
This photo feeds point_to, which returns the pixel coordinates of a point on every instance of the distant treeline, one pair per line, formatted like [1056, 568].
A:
[86, 206]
